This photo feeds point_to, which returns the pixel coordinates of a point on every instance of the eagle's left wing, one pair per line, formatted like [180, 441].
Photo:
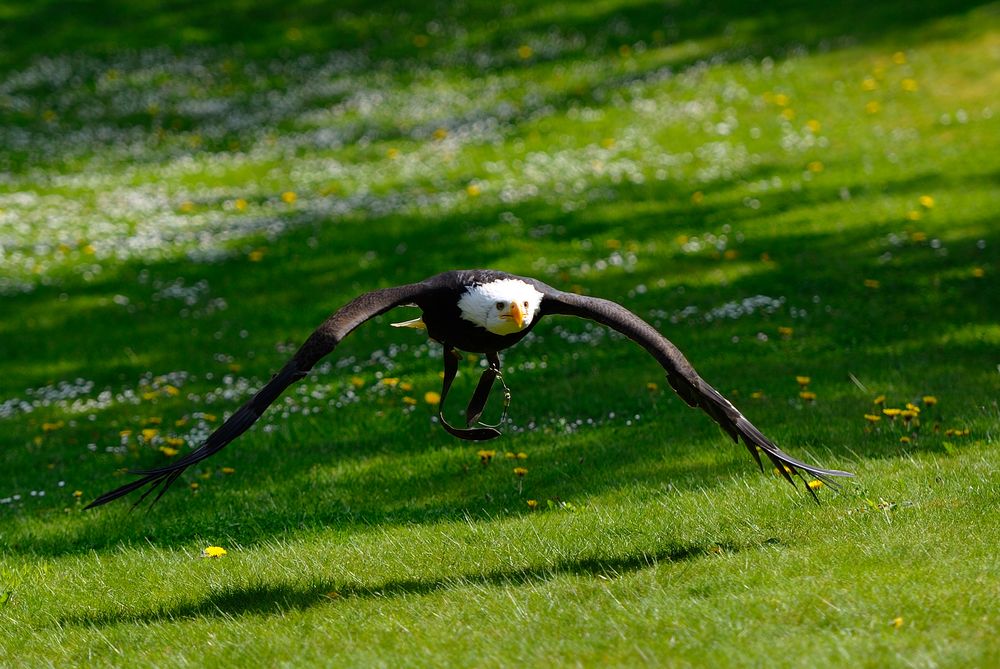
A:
[682, 377]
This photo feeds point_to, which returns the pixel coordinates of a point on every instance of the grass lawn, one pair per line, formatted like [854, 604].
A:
[792, 190]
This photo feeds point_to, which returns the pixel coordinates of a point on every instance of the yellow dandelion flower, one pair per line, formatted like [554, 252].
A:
[873, 107]
[256, 255]
[168, 451]
[815, 484]
[405, 386]
[608, 142]
[926, 201]
[897, 622]
[181, 422]
[808, 396]
[187, 207]
[510, 455]
[228, 470]
[872, 418]
[652, 387]
[150, 395]
[892, 413]
[392, 153]
[918, 236]
[485, 456]
[154, 420]
[432, 397]
[195, 486]
[913, 215]
[213, 552]
[357, 381]
[781, 100]
[173, 391]
[289, 197]
[879, 400]
[912, 407]
[909, 85]
[803, 380]
[813, 125]
[978, 272]
[52, 427]
[473, 190]
[788, 113]
[77, 493]
[815, 166]
[174, 441]
[210, 417]
[697, 197]
[149, 432]
[532, 504]
[240, 204]
[411, 401]
[929, 400]
[522, 456]
[520, 471]
[125, 434]
[904, 439]
[869, 84]
[757, 394]
[785, 331]
[390, 381]
[440, 134]
[872, 283]
[524, 52]
[899, 58]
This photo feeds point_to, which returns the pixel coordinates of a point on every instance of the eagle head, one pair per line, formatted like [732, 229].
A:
[503, 307]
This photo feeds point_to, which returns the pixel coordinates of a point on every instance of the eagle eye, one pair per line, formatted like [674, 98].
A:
[499, 306]
[525, 304]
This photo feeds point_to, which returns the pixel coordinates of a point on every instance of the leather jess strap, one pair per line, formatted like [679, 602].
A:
[476, 404]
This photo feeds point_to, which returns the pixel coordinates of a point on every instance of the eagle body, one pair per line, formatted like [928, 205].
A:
[480, 311]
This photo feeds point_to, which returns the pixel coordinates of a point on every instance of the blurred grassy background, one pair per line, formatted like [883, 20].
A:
[797, 189]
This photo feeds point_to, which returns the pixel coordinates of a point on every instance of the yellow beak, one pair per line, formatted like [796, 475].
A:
[517, 314]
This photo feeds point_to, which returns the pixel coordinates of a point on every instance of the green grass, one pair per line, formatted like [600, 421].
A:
[801, 189]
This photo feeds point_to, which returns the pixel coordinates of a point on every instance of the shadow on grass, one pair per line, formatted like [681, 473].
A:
[387, 29]
[276, 600]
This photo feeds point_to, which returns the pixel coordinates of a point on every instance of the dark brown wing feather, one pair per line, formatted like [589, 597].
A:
[682, 377]
[321, 342]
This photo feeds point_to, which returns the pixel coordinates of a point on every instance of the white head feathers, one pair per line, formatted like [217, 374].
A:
[503, 307]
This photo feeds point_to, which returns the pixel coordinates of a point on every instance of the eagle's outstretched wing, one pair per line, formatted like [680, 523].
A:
[321, 342]
[682, 377]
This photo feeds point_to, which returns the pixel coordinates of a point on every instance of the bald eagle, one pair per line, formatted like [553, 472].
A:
[479, 311]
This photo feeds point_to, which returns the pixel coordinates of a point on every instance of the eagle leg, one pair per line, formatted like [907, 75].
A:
[478, 402]
[450, 370]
